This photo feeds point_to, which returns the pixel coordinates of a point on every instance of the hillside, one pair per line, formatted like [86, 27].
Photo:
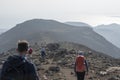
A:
[110, 32]
[2, 30]
[47, 31]
[59, 63]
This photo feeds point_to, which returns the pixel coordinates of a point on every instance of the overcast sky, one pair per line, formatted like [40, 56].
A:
[93, 12]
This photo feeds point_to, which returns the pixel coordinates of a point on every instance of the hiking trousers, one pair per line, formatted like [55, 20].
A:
[80, 75]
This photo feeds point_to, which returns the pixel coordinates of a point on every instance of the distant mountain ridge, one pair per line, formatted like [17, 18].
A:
[39, 30]
[78, 24]
[110, 32]
[2, 30]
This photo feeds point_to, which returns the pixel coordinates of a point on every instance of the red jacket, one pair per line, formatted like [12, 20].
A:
[80, 63]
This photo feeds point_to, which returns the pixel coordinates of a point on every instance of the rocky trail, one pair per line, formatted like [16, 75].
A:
[59, 63]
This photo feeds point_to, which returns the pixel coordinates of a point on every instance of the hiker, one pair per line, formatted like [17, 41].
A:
[30, 51]
[43, 53]
[29, 55]
[90, 52]
[81, 66]
[17, 67]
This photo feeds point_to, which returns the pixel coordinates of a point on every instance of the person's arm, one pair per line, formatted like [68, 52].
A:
[86, 64]
[75, 67]
[3, 72]
[34, 73]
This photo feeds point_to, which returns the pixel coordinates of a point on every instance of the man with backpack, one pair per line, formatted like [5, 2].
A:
[17, 67]
[81, 67]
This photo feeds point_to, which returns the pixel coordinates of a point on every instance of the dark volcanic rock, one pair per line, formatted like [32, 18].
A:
[114, 78]
[54, 69]
[60, 53]
[53, 46]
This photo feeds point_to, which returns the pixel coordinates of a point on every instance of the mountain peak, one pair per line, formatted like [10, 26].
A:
[109, 25]
[49, 31]
[111, 32]
[114, 24]
[39, 20]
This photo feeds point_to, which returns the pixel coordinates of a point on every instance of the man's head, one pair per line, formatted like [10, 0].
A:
[80, 53]
[22, 46]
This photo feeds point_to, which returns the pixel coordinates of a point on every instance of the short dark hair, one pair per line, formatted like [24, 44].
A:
[22, 46]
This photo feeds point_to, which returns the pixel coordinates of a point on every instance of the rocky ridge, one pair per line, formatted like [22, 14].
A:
[59, 63]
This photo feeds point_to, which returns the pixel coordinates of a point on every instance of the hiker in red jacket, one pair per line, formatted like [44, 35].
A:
[81, 66]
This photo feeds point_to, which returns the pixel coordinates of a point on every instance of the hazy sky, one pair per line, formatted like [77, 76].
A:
[93, 12]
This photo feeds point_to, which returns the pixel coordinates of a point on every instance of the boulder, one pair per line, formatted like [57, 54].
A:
[54, 69]
[114, 78]
[53, 46]
[103, 73]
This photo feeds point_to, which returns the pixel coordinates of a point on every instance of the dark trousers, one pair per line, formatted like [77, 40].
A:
[80, 75]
